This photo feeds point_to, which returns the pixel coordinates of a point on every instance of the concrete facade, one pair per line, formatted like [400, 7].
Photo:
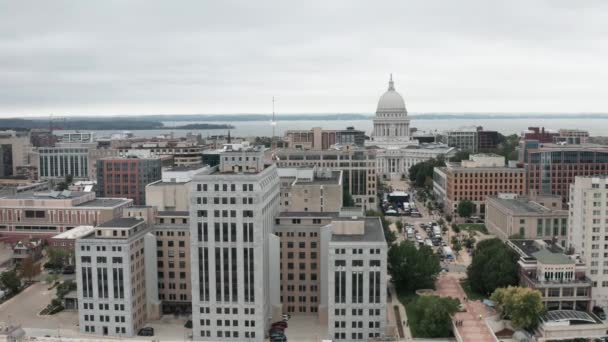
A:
[541, 218]
[116, 287]
[310, 190]
[588, 231]
[320, 139]
[356, 280]
[232, 212]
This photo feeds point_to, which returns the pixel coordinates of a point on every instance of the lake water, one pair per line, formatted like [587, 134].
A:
[596, 127]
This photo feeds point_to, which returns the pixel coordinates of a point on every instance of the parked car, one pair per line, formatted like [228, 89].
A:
[599, 312]
[286, 317]
[280, 324]
[147, 331]
[69, 269]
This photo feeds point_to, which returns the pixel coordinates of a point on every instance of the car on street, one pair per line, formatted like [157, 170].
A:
[147, 331]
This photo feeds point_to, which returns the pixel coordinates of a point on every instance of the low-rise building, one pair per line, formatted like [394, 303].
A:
[46, 214]
[560, 278]
[27, 249]
[310, 189]
[67, 240]
[474, 179]
[541, 218]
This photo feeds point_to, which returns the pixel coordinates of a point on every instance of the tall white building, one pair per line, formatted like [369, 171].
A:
[588, 231]
[235, 255]
[116, 277]
[356, 279]
[396, 151]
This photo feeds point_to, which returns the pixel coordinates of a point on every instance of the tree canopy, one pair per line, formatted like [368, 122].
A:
[523, 305]
[29, 269]
[56, 258]
[412, 268]
[10, 281]
[433, 315]
[421, 172]
[494, 265]
[465, 208]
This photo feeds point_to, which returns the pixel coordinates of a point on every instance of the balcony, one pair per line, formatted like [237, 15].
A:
[558, 283]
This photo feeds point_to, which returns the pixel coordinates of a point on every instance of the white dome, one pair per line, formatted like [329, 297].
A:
[391, 101]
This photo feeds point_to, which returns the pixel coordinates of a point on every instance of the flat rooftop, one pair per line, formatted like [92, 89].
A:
[173, 213]
[182, 168]
[531, 247]
[321, 180]
[522, 205]
[121, 222]
[47, 195]
[105, 202]
[75, 233]
[373, 231]
[308, 214]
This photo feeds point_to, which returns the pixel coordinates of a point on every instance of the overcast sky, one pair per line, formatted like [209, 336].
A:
[148, 57]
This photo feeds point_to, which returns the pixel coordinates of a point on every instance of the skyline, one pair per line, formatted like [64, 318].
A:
[138, 57]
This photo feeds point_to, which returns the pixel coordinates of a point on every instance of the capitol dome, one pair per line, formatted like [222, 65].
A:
[391, 101]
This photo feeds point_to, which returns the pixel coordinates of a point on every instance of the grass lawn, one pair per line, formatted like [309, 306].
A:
[470, 293]
[480, 227]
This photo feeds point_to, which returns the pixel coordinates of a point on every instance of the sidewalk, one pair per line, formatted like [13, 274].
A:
[473, 327]
[395, 301]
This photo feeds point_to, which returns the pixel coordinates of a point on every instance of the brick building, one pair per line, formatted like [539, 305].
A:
[474, 179]
[552, 168]
[539, 134]
[127, 177]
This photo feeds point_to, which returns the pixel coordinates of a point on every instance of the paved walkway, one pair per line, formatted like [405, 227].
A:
[473, 327]
[402, 313]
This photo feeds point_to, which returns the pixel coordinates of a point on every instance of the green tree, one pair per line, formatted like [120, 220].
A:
[347, 199]
[457, 247]
[29, 269]
[465, 208]
[422, 172]
[494, 265]
[448, 218]
[433, 315]
[523, 305]
[455, 228]
[10, 281]
[412, 268]
[460, 156]
[399, 225]
[56, 258]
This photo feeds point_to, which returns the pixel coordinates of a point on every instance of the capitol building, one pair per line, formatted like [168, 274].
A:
[396, 150]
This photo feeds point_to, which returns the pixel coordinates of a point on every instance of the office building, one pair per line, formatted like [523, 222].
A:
[552, 168]
[234, 254]
[320, 139]
[560, 278]
[539, 134]
[78, 160]
[536, 217]
[302, 265]
[356, 279]
[486, 140]
[572, 136]
[588, 231]
[127, 177]
[116, 276]
[310, 190]
[358, 166]
[464, 139]
[474, 179]
[46, 214]
[78, 137]
[66, 241]
[172, 192]
[14, 152]
[184, 152]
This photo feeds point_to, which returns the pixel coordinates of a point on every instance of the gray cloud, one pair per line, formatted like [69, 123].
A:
[109, 57]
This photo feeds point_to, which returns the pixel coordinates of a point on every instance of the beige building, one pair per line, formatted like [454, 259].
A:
[45, 214]
[474, 179]
[172, 230]
[301, 264]
[358, 166]
[540, 217]
[310, 190]
[171, 193]
[14, 152]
